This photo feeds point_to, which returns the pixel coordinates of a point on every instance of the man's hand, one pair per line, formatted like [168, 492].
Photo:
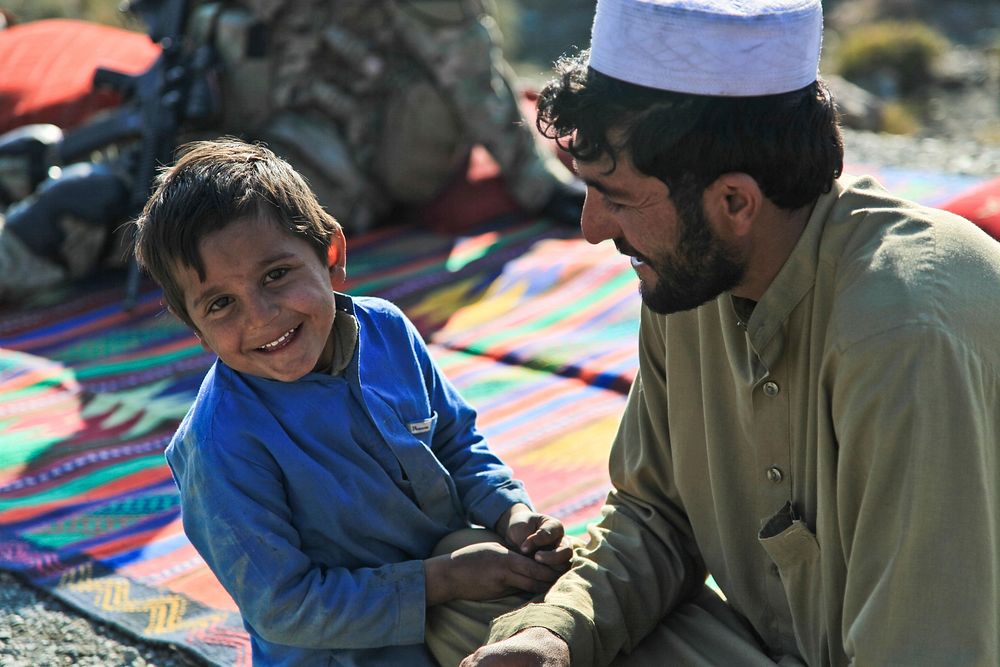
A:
[532, 647]
[484, 571]
[535, 535]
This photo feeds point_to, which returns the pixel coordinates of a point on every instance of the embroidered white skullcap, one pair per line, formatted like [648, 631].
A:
[734, 48]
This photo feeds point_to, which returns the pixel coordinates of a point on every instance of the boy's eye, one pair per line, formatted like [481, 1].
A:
[219, 304]
[275, 274]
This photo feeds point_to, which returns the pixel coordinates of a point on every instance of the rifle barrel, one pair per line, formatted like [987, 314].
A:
[122, 124]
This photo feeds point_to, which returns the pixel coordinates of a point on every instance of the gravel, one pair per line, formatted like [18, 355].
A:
[37, 630]
[956, 156]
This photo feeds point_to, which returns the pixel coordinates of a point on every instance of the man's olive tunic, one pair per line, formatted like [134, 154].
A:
[829, 455]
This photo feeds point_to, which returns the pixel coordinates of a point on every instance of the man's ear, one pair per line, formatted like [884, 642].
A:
[735, 200]
[337, 259]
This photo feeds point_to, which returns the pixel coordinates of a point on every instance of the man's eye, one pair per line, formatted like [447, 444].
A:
[610, 205]
[275, 274]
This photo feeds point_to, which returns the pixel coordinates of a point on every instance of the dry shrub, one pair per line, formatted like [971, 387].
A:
[905, 50]
[101, 11]
[897, 118]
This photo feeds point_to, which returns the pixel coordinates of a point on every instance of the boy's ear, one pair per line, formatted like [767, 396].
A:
[337, 259]
[201, 340]
[196, 333]
[170, 309]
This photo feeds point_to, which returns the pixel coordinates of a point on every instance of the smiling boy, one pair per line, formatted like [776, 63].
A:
[325, 455]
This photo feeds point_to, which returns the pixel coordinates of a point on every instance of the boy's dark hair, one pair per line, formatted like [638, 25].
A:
[212, 184]
[789, 143]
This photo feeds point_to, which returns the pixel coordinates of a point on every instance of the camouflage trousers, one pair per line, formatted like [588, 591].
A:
[478, 96]
[425, 127]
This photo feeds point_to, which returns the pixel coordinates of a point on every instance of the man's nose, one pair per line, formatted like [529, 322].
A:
[597, 223]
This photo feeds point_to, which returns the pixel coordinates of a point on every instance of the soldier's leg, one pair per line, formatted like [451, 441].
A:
[422, 148]
[317, 150]
[465, 59]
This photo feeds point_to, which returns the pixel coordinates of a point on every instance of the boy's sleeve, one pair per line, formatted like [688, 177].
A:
[485, 484]
[235, 514]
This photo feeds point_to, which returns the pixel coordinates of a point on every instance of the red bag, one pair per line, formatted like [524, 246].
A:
[47, 68]
[981, 205]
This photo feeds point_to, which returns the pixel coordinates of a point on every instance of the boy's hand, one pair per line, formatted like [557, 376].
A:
[535, 535]
[484, 571]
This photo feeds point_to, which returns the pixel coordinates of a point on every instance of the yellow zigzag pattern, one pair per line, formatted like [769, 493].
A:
[166, 612]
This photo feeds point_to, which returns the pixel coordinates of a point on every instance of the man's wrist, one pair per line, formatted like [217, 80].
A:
[554, 618]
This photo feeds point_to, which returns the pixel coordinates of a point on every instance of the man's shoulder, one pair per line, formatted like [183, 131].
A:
[865, 217]
[897, 263]
[870, 213]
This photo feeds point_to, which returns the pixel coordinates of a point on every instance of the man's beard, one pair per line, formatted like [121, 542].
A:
[701, 268]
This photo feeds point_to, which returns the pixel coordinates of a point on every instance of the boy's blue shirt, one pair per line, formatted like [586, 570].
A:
[315, 501]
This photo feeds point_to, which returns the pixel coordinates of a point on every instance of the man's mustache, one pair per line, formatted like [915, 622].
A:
[625, 248]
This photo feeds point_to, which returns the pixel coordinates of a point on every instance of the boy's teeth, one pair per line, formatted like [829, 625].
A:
[274, 344]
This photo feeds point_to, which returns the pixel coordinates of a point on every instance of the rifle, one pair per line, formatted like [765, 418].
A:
[177, 90]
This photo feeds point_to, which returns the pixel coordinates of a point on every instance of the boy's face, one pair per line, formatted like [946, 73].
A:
[266, 306]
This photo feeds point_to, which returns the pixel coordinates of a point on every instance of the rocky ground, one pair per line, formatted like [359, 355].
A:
[37, 630]
[957, 156]
[962, 137]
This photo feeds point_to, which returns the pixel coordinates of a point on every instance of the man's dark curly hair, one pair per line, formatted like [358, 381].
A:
[789, 143]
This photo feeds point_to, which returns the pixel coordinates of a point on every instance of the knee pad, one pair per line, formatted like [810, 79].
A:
[24, 159]
[92, 193]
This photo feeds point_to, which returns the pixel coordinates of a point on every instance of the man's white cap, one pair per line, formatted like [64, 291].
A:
[738, 48]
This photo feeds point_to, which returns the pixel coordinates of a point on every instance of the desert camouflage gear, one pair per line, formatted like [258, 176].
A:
[377, 102]
[467, 66]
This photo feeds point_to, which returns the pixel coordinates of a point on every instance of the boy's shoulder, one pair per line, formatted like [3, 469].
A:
[225, 408]
[222, 393]
[375, 312]
[371, 305]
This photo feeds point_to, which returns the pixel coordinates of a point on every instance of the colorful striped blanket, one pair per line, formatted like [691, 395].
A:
[535, 327]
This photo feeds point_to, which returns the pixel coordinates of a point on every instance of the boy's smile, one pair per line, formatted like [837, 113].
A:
[266, 306]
